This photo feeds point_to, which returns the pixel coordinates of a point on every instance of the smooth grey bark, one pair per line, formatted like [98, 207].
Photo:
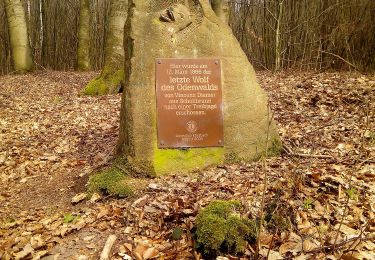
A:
[19, 38]
[83, 52]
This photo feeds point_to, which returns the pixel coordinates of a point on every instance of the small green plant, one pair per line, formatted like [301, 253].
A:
[352, 193]
[307, 204]
[370, 136]
[278, 222]
[177, 233]
[277, 216]
[219, 228]
[275, 147]
[69, 218]
[232, 157]
[8, 223]
[322, 229]
[111, 181]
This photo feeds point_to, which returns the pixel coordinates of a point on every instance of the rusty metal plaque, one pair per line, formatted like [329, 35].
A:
[189, 103]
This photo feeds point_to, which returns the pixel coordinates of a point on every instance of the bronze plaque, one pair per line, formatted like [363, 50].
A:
[189, 103]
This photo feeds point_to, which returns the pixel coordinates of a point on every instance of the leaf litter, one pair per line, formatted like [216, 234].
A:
[51, 139]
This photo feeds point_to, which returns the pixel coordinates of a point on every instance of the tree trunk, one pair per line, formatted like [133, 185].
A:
[83, 55]
[221, 9]
[279, 16]
[19, 39]
[109, 81]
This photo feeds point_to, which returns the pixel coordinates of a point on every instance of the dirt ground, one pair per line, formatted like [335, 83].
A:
[52, 139]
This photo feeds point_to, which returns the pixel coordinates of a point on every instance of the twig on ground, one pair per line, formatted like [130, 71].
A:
[4, 95]
[273, 238]
[355, 244]
[319, 128]
[290, 152]
[338, 245]
[343, 214]
[107, 247]
[261, 213]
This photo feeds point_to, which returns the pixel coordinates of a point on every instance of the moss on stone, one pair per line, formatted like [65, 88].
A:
[111, 181]
[185, 160]
[219, 228]
[139, 168]
[106, 83]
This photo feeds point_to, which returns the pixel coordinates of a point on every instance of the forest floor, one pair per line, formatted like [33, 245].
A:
[52, 139]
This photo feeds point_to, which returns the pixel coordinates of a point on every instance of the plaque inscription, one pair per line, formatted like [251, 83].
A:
[189, 103]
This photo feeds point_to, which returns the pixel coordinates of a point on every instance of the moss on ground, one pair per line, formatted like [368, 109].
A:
[219, 228]
[111, 181]
[106, 83]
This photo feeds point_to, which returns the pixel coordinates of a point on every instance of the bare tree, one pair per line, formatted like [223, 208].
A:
[19, 39]
[83, 54]
[278, 35]
[112, 74]
[312, 34]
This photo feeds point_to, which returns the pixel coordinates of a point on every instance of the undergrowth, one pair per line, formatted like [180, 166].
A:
[110, 181]
[219, 228]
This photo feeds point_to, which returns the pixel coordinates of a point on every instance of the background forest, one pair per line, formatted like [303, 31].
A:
[275, 34]
[68, 188]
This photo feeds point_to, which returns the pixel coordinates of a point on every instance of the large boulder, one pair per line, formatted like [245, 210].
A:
[188, 29]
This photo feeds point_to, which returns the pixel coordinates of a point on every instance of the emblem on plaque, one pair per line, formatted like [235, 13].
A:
[192, 126]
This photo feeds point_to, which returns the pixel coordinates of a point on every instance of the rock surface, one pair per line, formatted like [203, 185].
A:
[195, 32]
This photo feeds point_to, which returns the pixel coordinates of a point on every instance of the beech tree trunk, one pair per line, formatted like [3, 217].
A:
[19, 39]
[83, 55]
[109, 81]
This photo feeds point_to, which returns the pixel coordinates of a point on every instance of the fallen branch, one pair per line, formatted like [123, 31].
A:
[339, 245]
[320, 156]
[107, 247]
[261, 211]
[290, 152]
[4, 95]
[341, 58]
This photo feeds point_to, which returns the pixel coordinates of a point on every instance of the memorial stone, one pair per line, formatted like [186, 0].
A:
[190, 98]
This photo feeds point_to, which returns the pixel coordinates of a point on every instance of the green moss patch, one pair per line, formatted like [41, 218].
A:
[111, 181]
[106, 83]
[219, 228]
[186, 160]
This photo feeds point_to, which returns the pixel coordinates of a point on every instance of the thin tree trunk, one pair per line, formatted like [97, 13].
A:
[83, 55]
[278, 34]
[109, 81]
[19, 39]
